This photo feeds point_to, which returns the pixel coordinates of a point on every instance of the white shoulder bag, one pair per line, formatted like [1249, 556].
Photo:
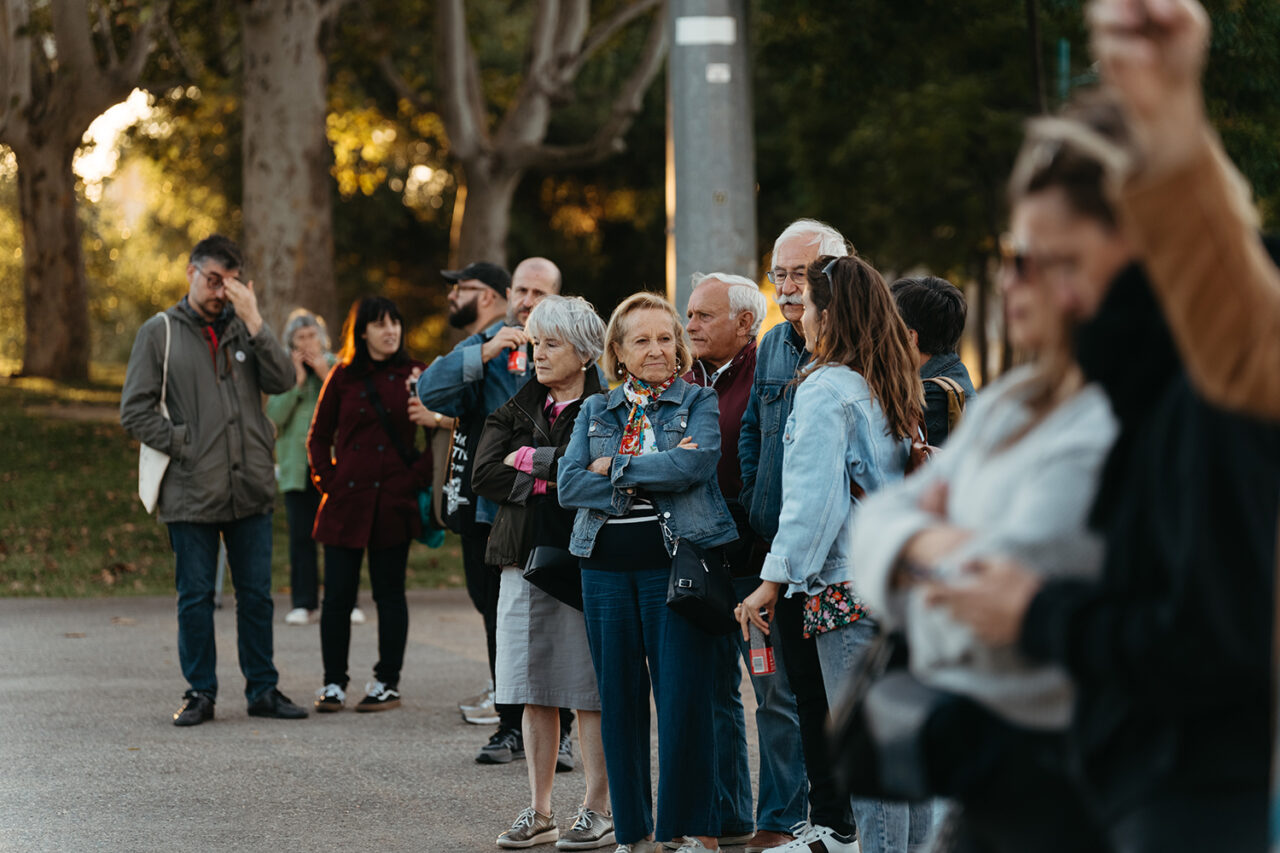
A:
[153, 463]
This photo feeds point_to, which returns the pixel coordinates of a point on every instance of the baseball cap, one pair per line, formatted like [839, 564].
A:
[487, 273]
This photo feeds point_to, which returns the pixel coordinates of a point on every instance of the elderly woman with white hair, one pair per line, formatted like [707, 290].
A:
[543, 659]
[308, 342]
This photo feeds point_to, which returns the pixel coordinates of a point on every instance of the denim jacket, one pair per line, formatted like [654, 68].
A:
[779, 356]
[463, 385]
[681, 483]
[835, 417]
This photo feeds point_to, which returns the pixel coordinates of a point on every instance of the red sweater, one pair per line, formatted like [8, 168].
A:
[733, 387]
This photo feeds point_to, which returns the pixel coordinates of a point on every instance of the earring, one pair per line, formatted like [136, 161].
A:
[586, 366]
[621, 370]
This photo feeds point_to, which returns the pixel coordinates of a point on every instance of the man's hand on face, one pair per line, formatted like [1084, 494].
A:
[508, 337]
[245, 302]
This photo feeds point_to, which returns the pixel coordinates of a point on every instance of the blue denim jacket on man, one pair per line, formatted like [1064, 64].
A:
[463, 385]
[779, 356]
[681, 483]
[835, 417]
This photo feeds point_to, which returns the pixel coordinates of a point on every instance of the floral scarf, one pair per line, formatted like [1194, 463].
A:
[637, 436]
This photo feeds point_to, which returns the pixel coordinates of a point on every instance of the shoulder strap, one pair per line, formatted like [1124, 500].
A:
[385, 419]
[949, 385]
[164, 380]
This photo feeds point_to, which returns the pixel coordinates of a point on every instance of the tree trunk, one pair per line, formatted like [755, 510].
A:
[288, 212]
[54, 288]
[486, 216]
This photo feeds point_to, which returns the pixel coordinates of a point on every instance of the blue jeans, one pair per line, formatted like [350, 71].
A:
[884, 826]
[636, 640]
[783, 784]
[195, 550]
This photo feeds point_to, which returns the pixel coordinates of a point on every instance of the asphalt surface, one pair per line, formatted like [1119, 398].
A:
[90, 759]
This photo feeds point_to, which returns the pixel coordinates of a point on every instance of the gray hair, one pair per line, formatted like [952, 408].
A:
[572, 319]
[744, 295]
[828, 240]
[299, 318]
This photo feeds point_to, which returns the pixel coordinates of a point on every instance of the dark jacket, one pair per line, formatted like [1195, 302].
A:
[937, 402]
[370, 495]
[522, 422]
[733, 388]
[1171, 647]
[219, 440]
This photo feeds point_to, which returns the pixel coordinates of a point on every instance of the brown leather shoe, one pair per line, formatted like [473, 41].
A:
[767, 840]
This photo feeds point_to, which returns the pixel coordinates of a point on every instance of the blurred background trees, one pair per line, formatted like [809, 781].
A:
[377, 122]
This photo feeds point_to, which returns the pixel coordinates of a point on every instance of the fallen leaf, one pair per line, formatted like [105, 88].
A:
[74, 635]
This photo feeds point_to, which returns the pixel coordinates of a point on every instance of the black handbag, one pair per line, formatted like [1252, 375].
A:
[701, 587]
[550, 567]
[893, 737]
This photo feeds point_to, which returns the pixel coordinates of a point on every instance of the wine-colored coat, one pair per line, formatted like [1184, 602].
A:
[370, 495]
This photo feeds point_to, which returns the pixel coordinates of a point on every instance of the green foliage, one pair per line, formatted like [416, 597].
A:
[11, 334]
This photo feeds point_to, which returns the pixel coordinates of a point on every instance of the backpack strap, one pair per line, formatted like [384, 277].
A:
[946, 383]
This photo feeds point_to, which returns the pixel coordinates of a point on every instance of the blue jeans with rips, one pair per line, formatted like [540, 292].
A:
[784, 787]
[195, 549]
[637, 641]
[884, 826]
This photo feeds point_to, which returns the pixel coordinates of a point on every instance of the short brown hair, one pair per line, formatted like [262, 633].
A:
[615, 332]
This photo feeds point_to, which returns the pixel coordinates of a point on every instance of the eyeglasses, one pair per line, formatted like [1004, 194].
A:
[1028, 266]
[458, 287]
[779, 275]
[215, 280]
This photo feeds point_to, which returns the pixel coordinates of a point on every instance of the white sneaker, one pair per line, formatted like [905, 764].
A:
[639, 847]
[691, 845]
[817, 839]
[357, 616]
[484, 714]
[473, 702]
[300, 616]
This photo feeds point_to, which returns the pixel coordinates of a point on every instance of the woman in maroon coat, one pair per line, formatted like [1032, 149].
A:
[362, 449]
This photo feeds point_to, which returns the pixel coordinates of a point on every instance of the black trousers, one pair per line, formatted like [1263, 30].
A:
[341, 582]
[300, 509]
[827, 807]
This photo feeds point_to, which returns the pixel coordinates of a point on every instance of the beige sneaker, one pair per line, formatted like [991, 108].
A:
[590, 831]
[529, 830]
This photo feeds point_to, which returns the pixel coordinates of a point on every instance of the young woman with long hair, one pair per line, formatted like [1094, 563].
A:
[860, 400]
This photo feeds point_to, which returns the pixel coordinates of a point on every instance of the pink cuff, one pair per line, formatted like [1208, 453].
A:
[524, 460]
[539, 487]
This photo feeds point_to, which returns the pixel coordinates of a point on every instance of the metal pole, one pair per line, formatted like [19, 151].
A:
[711, 199]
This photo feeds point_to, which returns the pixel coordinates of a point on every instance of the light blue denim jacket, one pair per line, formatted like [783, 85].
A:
[835, 417]
[681, 483]
[780, 354]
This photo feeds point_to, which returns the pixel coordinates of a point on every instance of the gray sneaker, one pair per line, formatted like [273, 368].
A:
[590, 831]
[529, 830]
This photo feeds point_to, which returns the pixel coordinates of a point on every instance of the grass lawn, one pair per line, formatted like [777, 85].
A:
[71, 524]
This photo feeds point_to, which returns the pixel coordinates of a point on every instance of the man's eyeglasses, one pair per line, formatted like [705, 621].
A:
[458, 287]
[214, 280]
[779, 275]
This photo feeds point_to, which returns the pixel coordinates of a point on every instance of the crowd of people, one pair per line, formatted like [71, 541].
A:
[1075, 565]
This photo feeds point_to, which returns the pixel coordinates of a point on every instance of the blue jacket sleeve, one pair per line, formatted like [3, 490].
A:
[815, 492]
[454, 384]
[578, 487]
[677, 469]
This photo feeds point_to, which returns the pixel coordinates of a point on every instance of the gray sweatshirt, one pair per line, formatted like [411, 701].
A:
[1029, 501]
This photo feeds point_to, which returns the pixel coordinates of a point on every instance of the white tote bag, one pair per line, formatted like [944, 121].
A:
[152, 463]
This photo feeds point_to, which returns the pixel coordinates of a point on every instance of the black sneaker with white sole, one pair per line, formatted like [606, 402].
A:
[379, 697]
[505, 746]
[564, 758]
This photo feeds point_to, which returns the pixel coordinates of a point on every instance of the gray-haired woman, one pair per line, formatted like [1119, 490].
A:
[308, 343]
[543, 660]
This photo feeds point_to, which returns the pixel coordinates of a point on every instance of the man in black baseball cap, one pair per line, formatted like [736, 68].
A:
[477, 296]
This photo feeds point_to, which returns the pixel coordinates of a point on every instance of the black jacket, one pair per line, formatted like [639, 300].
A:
[1171, 648]
[522, 422]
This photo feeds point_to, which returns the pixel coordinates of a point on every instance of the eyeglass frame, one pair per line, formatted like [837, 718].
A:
[1028, 266]
[797, 277]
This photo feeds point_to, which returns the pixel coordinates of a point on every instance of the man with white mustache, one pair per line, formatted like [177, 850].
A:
[781, 353]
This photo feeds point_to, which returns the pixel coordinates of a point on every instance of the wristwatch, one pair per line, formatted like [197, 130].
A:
[439, 418]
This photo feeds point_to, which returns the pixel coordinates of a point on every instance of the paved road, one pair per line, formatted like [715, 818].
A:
[90, 760]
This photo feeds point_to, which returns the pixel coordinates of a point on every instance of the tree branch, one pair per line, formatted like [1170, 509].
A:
[403, 88]
[601, 34]
[608, 139]
[192, 66]
[459, 82]
[104, 28]
[74, 42]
